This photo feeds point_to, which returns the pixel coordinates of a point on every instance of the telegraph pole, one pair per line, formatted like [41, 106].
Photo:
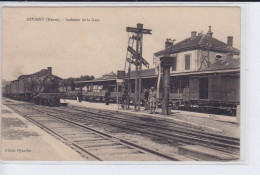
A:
[139, 40]
[139, 60]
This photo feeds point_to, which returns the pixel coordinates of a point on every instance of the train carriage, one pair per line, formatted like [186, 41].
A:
[21, 89]
[215, 92]
[8, 90]
[4, 91]
[15, 89]
[205, 90]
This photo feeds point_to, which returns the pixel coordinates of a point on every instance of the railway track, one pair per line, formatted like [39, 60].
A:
[171, 132]
[167, 131]
[90, 143]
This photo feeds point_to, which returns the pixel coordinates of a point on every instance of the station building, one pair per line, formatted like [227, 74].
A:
[205, 71]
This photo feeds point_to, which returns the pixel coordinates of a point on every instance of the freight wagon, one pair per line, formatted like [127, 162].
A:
[218, 92]
[210, 90]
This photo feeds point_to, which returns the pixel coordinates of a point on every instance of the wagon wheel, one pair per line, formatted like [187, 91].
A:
[204, 109]
[57, 103]
[232, 112]
[39, 101]
[175, 106]
[47, 102]
[43, 102]
[52, 102]
[35, 101]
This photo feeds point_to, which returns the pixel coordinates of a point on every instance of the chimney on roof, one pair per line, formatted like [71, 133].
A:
[200, 33]
[230, 41]
[49, 70]
[193, 34]
[210, 33]
[168, 43]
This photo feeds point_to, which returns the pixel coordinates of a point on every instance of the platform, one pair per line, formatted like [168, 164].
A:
[22, 140]
[224, 125]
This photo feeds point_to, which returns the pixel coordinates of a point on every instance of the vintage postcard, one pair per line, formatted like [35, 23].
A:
[121, 84]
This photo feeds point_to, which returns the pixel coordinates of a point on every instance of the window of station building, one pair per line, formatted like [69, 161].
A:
[187, 62]
[174, 64]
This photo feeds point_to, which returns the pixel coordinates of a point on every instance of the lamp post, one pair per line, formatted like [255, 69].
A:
[166, 63]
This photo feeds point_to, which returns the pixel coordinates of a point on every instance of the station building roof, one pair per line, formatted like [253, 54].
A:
[106, 77]
[220, 66]
[201, 41]
[224, 65]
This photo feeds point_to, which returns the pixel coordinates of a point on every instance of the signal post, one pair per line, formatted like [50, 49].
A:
[139, 60]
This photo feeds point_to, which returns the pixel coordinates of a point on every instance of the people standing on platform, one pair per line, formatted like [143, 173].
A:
[146, 97]
[152, 100]
[107, 97]
[79, 96]
[124, 99]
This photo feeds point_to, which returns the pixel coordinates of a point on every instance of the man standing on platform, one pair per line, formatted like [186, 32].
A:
[146, 97]
[124, 99]
[152, 100]
[79, 96]
[107, 97]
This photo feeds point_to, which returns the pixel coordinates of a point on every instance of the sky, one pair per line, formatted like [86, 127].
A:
[99, 46]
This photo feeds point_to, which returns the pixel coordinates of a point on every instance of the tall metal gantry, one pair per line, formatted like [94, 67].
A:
[139, 60]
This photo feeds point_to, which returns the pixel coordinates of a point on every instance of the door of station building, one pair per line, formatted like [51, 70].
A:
[204, 88]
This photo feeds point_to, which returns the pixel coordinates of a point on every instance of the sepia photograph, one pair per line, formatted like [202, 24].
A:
[136, 84]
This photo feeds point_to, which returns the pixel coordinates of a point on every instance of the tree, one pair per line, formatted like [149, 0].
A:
[70, 82]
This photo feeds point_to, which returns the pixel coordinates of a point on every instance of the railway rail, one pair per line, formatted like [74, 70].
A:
[90, 143]
[166, 130]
